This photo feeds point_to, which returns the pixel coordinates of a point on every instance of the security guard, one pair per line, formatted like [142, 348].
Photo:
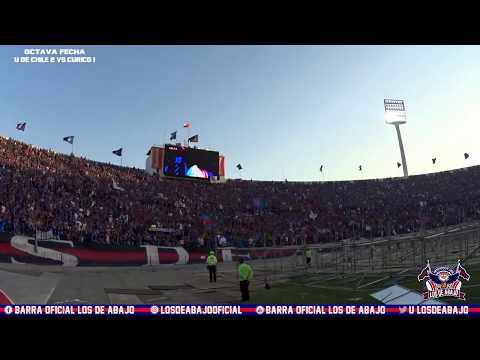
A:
[308, 256]
[245, 274]
[212, 266]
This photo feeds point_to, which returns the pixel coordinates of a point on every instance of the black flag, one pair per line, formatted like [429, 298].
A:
[466, 156]
[321, 168]
[239, 167]
[173, 135]
[360, 168]
[118, 152]
[398, 164]
[21, 126]
[433, 160]
[68, 139]
[194, 138]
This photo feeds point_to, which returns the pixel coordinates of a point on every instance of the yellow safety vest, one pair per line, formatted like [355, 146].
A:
[211, 260]
[245, 272]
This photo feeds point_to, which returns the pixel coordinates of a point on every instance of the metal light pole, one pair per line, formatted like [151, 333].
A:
[395, 115]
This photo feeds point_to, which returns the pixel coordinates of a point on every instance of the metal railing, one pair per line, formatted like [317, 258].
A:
[380, 255]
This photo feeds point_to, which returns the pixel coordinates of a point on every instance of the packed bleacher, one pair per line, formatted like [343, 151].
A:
[99, 204]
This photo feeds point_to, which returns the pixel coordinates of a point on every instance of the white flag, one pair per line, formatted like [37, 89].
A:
[116, 187]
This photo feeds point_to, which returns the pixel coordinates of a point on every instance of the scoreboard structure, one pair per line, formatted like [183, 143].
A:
[183, 162]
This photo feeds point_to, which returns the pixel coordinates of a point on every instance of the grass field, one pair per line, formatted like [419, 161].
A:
[351, 289]
[300, 294]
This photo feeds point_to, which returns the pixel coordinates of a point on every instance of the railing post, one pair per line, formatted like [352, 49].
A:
[466, 245]
[36, 241]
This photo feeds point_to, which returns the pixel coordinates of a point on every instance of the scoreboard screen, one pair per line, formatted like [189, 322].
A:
[187, 162]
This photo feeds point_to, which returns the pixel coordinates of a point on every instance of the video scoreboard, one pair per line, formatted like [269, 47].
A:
[177, 161]
[189, 162]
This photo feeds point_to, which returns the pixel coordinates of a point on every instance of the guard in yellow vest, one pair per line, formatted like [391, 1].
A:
[245, 273]
[212, 266]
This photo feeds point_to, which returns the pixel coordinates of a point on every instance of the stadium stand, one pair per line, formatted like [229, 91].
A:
[101, 205]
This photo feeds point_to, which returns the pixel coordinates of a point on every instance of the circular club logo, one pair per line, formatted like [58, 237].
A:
[260, 310]
[8, 310]
[154, 309]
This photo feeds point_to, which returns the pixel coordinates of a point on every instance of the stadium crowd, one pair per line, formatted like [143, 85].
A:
[99, 204]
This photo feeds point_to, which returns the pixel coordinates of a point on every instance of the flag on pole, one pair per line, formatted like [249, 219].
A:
[360, 168]
[466, 156]
[68, 139]
[21, 126]
[239, 167]
[433, 160]
[173, 135]
[398, 164]
[321, 168]
[463, 273]
[194, 138]
[118, 152]
[186, 125]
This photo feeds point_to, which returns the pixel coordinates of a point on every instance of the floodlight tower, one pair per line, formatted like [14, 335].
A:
[395, 115]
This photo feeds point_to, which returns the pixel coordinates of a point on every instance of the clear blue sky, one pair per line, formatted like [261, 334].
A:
[280, 111]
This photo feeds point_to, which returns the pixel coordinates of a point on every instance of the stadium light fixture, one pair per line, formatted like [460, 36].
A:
[395, 111]
[395, 115]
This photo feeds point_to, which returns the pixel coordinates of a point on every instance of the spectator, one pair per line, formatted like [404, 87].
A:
[76, 200]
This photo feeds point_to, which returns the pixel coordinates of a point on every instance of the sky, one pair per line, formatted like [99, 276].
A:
[280, 111]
